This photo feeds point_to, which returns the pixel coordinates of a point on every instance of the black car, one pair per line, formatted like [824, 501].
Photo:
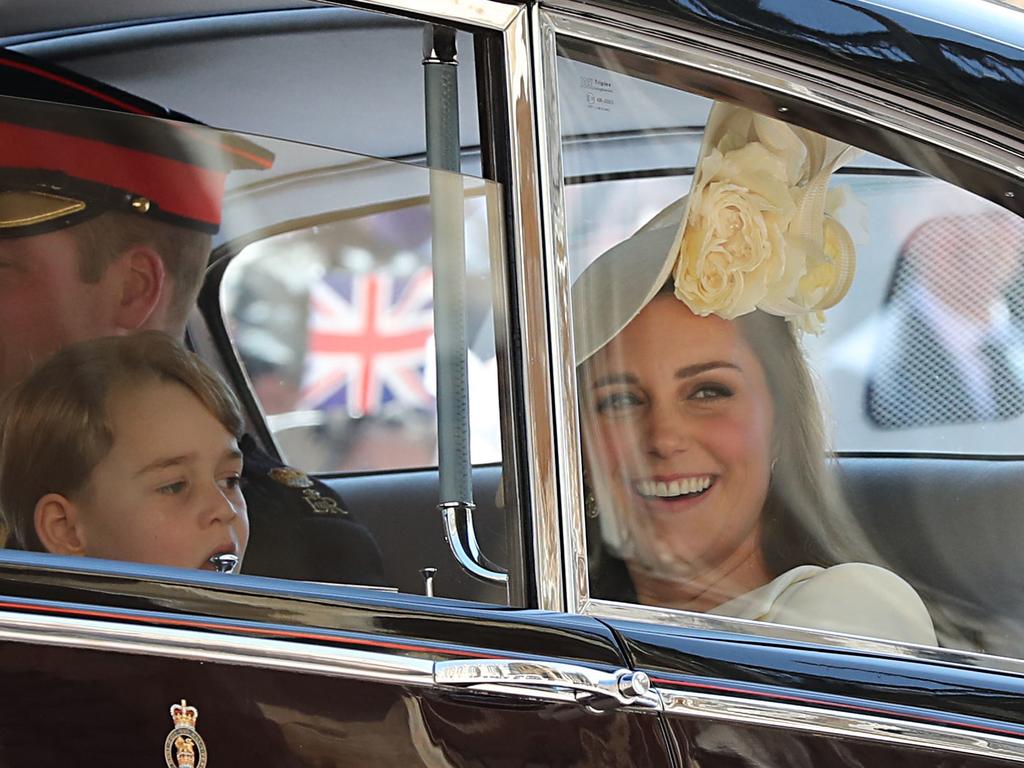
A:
[390, 296]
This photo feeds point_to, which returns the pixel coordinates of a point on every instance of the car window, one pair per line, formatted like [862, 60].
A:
[799, 361]
[334, 325]
[362, 406]
[297, 73]
[154, 454]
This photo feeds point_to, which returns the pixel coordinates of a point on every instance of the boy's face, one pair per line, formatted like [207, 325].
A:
[167, 493]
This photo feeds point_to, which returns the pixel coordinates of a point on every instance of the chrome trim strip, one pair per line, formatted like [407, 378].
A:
[214, 647]
[563, 371]
[508, 489]
[667, 617]
[530, 285]
[843, 724]
[479, 13]
[857, 100]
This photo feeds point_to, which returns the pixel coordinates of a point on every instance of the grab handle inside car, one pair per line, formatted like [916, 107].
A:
[440, 76]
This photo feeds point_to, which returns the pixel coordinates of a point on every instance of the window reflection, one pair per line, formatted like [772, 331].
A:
[334, 325]
[324, 261]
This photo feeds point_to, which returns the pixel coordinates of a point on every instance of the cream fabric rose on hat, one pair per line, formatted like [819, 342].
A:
[757, 231]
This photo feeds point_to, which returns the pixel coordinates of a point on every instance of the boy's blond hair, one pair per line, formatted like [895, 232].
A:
[55, 424]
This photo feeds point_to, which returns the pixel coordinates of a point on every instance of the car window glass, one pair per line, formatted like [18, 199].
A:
[334, 324]
[321, 54]
[125, 446]
[297, 73]
[708, 484]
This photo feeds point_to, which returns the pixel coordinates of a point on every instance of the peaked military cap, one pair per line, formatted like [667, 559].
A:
[72, 148]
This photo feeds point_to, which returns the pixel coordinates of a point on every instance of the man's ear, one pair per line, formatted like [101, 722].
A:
[58, 525]
[141, 281]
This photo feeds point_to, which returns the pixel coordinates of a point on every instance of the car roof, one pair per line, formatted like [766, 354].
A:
[966, 56]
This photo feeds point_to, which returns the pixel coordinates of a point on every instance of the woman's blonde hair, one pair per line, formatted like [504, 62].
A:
[55, 424]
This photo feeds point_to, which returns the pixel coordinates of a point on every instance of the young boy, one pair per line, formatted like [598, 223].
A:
[124, 448]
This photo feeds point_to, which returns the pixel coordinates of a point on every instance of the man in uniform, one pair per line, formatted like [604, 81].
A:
[106, 220]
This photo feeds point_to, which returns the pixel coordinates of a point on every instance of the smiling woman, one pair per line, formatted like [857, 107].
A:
[682, 432]
[701, 426]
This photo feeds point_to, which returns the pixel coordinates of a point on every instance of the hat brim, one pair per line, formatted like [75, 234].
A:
[30, 213]
[623, 280]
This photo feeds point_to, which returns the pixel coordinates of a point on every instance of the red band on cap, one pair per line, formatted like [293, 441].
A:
[177, 188]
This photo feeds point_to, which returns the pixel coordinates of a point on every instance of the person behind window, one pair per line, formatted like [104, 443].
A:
[952, 346]
[124, 448]
[105, 230]
[702, 432]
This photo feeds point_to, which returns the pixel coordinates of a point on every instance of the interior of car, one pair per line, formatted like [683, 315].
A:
[939, 500]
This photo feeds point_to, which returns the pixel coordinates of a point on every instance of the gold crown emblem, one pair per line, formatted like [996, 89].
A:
[184, 747]
[183, 715]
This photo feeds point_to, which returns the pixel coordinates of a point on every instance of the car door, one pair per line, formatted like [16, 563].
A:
[124, 663]
[296, 74]
[95, 657]
[631, 100]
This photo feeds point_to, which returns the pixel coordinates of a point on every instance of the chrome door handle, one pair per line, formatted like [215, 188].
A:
[595, 688]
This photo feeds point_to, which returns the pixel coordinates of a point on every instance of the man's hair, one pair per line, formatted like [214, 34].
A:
[55, 424]
[184, 252]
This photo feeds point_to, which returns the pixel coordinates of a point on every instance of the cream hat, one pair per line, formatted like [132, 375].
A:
[756, 231]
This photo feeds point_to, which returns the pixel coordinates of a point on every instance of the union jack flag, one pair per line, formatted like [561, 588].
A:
[367, 341]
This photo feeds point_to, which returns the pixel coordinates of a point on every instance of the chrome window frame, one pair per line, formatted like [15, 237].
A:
[567, 18]
[540, 502]
[484, 14]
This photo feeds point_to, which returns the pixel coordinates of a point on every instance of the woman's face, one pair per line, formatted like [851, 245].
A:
[678, 420]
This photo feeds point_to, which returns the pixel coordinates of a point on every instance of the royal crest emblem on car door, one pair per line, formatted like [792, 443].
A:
[184, 747]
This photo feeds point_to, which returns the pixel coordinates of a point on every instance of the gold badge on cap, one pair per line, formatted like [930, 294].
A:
[184, 747]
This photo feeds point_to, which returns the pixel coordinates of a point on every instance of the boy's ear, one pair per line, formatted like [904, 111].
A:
[141, 278]
[58, 525]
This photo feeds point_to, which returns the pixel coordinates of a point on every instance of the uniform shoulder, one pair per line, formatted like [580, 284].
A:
[270, 482]
[299, 527]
